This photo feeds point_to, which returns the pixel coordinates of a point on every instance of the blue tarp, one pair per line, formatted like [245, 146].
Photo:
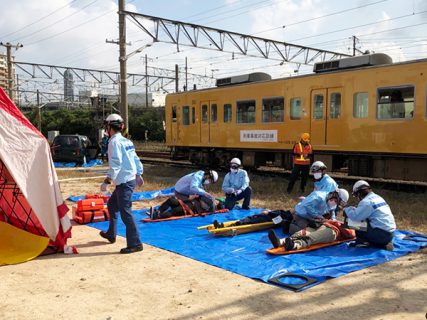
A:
[245, 254]
[138, 196]
[91, 163]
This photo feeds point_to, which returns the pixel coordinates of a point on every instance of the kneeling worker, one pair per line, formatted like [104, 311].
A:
[377, 214]
[192, 184]
[327, 231]
[236, 186]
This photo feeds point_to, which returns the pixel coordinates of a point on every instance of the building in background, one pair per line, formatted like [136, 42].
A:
[4, 74]
[138, 100]
[68, 86]
[3, 71]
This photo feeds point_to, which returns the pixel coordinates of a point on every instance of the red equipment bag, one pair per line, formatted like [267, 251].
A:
[83, 217]
[94, 204]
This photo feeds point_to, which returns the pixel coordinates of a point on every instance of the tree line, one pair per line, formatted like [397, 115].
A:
[86, 121]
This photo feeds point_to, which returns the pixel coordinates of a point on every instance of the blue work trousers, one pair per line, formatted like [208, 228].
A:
[374, 236]
[120, 202]
[230, 199]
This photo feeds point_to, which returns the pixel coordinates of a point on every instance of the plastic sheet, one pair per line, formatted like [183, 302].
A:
[139, 196]
[245, 254]
[91, 163]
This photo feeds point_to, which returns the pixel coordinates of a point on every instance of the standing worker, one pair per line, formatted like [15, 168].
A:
[303, 153]
[125, 171]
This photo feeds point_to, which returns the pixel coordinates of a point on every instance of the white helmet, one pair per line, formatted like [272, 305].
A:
[360, 185]
[236, 161]
[317, 165]
[344, 196]
[214, 175]
[114, 118]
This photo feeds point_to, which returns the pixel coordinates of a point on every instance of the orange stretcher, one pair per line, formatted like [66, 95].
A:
[282, 251]
[184, 216]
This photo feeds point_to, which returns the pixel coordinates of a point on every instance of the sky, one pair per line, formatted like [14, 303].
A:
[73, 33]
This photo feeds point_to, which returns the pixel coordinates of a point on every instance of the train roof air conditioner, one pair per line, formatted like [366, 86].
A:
[245, 78]
[374, 59]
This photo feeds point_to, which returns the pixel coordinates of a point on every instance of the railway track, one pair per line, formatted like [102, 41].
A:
[163, 158]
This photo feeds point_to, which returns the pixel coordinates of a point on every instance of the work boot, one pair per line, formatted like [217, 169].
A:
[132, 249]
[289, 244]
[218, 225]
[275, 241]
[106, 236]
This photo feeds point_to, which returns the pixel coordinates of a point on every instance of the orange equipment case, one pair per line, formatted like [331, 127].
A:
[90, 204]
[90, 210]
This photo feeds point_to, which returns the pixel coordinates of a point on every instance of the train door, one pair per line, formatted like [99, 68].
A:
[174, 125]
[213, 121]
[318, 112]
[325, 111]
[204, 123]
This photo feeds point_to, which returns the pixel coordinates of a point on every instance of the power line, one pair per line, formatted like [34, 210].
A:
[55, 22]
[42, 18]
[362, 25]
[324, 16]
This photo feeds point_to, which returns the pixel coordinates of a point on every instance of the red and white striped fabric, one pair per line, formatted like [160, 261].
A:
[26, 162]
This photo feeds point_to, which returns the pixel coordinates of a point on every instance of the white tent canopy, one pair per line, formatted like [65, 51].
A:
[30, 198]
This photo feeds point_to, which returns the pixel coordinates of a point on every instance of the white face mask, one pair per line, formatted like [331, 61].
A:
[207, 181]
[317, 175]
[234, 170]
[332, 205]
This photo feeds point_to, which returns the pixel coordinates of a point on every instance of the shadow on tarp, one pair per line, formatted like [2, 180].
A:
[245, 254]
[139, 196]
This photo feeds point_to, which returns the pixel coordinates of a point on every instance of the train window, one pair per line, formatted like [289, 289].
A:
[246, 111]
[193, 115]
[318, 106]
[173, 113]
[204, 113]
[360, 105]
[227, 112]
[395, 103]
[335, 105]
[273, 109]
[296, 111]
[185, 115]
[214, 113]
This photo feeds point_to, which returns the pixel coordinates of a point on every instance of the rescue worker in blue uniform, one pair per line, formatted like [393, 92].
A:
[125, 171]
[377, 214]
[236, 186]
[191, 185]
[322, 181]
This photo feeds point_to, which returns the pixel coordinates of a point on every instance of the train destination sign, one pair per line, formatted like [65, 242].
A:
[258, 135]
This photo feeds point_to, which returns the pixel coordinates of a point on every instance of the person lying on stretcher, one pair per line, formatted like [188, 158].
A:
[173, 207]
[324, 231]
[311, 211]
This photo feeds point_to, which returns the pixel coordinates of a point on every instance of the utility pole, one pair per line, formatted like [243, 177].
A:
[186, 78]
[176, 78]
[39, 112]
[123, 69]
[354, 44]
[146, 81]
[9, 46]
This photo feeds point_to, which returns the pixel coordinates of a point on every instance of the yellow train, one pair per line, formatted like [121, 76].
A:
[363, 113]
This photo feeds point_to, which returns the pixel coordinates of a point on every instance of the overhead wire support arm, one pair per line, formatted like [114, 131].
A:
[168, 31]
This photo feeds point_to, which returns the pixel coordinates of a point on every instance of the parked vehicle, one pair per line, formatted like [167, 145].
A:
[73, 148]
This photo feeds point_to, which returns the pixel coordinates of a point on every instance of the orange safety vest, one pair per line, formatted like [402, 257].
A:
[300, 151]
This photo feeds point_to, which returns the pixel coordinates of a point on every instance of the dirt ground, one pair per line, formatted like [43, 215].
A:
[99, 283]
